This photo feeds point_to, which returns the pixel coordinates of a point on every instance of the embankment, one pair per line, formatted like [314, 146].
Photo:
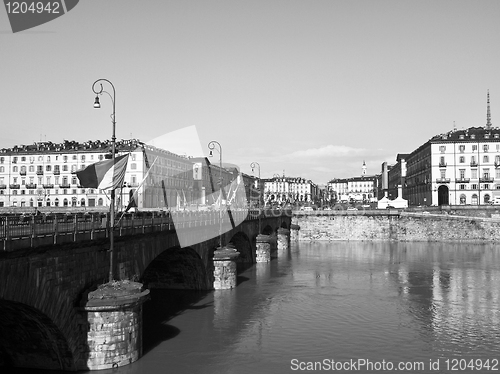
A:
[398, 227]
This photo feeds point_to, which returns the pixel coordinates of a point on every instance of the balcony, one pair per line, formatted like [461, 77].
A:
[3, 186]
[57, 172]
[473, 163]
[14, 186]
[39, 172]
[497, 164]
[31, 186]
[486, 180]
[22, 172]
[48, 185]
[443, 180]
[462, 180]
[64, 186]
[442, 164]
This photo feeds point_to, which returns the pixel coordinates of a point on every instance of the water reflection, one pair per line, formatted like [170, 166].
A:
[342, 301]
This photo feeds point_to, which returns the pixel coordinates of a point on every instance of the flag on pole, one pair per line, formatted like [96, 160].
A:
[135, 195]
[104, 174]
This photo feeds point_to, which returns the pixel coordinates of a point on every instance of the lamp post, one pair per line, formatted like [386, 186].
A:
[212, 145]
[97, 105]
[254, 165]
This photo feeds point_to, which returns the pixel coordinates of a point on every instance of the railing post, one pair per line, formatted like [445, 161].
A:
[55, 228]
[32, 240]
[92, 227]
[7, 234]
[75, 227]
[143, 222]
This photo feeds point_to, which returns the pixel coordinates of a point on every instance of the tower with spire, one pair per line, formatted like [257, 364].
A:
[488, 113]
[364, 168]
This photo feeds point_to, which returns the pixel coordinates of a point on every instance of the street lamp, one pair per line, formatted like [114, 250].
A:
[253, 165]
[212, 146]
[97, 105]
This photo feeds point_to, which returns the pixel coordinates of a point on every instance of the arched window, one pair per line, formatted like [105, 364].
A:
[463, 199]
[486, 198]
[100, 202]
[56, 202]
[14, 169]
[473, 200]
[82, 202]
[65, 202]
[2, 169]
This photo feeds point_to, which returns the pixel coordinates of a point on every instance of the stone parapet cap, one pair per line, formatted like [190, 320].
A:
[282, 230]
[293, 226]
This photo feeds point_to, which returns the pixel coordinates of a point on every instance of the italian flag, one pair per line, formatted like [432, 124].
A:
[104, 174]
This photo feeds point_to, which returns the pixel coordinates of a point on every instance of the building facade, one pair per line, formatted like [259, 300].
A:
[290, 190]
[44, 175]
[461, 167]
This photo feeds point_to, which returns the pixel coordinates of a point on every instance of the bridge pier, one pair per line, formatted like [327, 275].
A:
[283, 239]
[114, 325]
[263, 248]
[294, 232]
[225, 271]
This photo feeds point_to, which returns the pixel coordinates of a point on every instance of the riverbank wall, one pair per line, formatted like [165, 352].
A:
[401, 226]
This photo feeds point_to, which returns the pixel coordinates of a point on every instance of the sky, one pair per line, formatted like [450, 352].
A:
[308, 88]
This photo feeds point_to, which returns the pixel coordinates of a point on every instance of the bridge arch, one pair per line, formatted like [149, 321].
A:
[267, 230]
[244, 246]
[30, 339]
[176, 268]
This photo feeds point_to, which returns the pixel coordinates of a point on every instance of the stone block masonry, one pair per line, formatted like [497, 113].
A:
[398, 227]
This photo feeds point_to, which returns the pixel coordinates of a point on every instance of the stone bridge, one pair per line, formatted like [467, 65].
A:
[43, 290]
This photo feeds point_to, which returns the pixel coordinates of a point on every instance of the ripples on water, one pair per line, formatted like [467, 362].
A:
[342, 301]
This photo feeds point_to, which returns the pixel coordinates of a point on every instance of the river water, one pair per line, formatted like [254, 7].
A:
[368, 306]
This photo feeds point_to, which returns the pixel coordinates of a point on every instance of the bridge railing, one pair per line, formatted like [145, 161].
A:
[28, 231]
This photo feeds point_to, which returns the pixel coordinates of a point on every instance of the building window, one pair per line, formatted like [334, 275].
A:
[2, 169]
[32, 168]
[442, 148]
[485, 147]
[474, 199]
[461, 148]
[486, 159]
[486, 198]
[462, 186]
[474, 186]
[462, 159]
[133, 166]
[48, 168]
[14, 169]
[486, 186]
[474, 146]
[462, 173]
